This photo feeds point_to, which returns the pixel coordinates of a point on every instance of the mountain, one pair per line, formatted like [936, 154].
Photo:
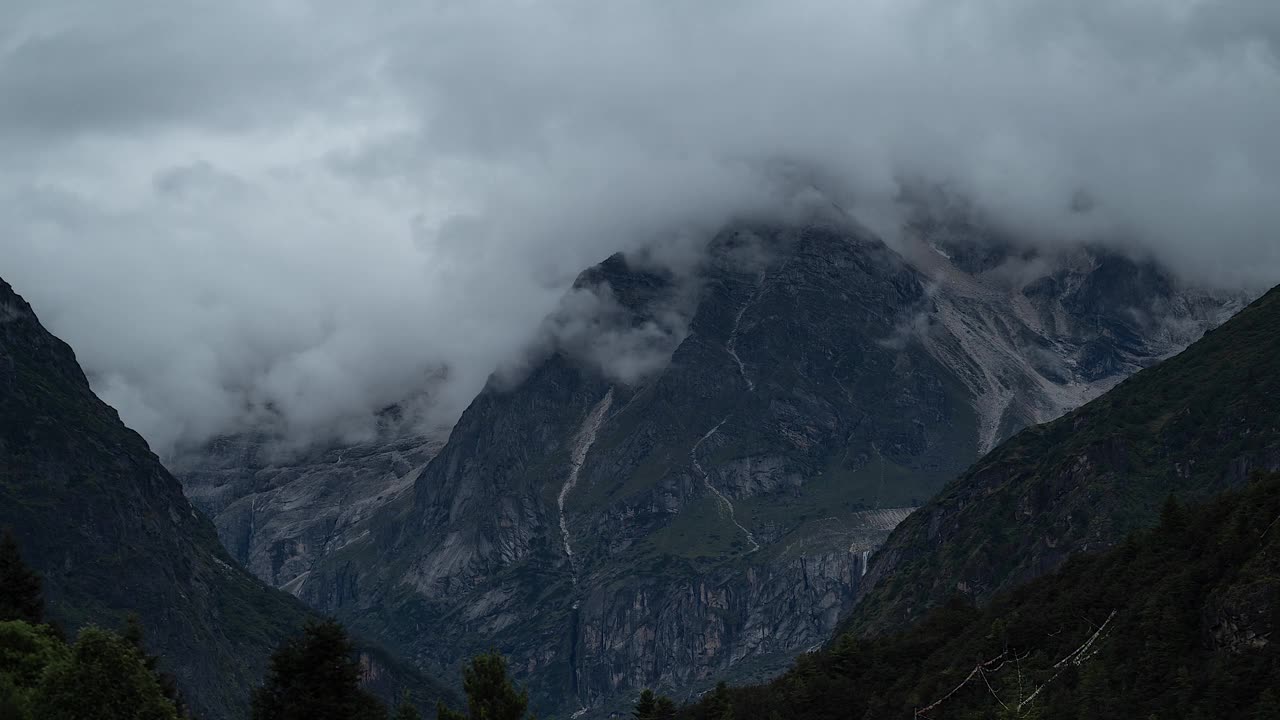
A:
[1179, 621]
[278, 512]
[1195, 424]
[687, 476]
[112, 533]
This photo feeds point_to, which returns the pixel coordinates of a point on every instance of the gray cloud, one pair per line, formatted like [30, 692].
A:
[304, 211]
[590, 325]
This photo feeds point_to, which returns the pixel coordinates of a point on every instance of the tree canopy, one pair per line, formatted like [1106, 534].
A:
[104, 678]
[316, 676]
[491, 695]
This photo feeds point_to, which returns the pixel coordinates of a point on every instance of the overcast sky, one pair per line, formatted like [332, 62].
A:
[316, 206]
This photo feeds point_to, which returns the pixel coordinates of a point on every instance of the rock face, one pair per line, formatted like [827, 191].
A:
[703, 502]
[277, 514]
[1196, 424]
[111, 532]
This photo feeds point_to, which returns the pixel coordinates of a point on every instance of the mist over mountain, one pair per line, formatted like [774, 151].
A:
[591, 358]
[712, 517]
[288, 217]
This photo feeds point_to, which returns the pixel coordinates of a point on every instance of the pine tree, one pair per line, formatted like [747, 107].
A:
[20, 592]
[665, 708]
[719, 703]
[315, 676]
[490, 693]
[646, 706]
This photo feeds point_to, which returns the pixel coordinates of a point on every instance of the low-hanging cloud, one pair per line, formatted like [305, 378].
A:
[300, 212]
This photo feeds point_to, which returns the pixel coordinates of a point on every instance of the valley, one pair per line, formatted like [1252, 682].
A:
[640, 360]
[717, 516]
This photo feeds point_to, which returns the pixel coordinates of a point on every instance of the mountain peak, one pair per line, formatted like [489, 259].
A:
[809, 386]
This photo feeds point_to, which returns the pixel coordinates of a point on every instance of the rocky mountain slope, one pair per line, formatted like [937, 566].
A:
[112, 533]
[277, 512]
[612, 523]
[1195, 424]
[1179, 621]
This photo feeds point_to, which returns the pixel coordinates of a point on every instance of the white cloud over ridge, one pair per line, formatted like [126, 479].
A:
[305, 209]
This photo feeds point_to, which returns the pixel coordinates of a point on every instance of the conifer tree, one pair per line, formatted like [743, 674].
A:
[646, 706]
[491, 695]
[652, 706]
[315, 676]
[720, 703]
[20, 592]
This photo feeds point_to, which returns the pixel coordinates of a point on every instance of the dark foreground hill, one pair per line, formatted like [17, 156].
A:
[111, 532]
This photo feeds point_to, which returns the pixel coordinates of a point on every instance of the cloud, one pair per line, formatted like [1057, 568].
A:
[303, 211]
[590, 325]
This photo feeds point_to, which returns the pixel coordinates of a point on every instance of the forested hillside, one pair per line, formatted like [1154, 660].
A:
[1176, 622]
[110, 531]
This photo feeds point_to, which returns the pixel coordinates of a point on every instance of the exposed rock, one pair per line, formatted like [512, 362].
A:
[818, 386]
[1196, 424]
[278, 513]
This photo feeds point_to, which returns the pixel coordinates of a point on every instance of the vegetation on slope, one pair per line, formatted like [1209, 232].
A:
[315, 675]
[1176, 622]
[1193, 425]
[113, 535]
[102, 676]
